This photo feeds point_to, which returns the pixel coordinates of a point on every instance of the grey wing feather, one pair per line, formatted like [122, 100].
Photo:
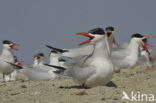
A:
[79, 52]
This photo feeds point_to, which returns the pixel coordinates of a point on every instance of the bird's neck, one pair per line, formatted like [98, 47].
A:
[101, 49]
[133, 48]
[7, 53]
[41, 63]
[35, 62]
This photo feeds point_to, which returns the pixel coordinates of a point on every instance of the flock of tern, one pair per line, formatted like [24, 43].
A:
[90, 65]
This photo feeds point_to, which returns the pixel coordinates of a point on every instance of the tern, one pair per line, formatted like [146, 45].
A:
[7, 56]
[97, 68]
[127, 57]
[39, 71]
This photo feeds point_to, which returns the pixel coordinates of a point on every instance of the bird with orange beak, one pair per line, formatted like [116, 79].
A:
[128, 56]
[7, 56]
[97, 68]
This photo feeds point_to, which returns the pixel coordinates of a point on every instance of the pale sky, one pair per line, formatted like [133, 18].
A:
[34, 23]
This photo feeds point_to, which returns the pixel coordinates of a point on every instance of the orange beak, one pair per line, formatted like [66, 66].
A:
[151, 59]
[20, 63]
[148, 36]
[87, 35]
[145, 46]
[114, 42]
[12, 46]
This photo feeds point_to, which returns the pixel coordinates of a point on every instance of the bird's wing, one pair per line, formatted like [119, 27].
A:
[119, 54]
[80, 73]
[79, 52]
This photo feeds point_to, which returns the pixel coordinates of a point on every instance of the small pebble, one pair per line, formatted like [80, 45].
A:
[103, 99]
[116, 98]
[23, 86]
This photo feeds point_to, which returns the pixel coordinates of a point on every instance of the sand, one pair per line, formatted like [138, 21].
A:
[141, 80]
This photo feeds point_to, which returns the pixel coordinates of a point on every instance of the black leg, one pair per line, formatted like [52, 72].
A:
[3, 78]
[10, 78]
[83, 85]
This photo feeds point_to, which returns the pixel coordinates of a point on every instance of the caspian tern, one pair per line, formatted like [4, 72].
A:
[38, 59]
[39, 71]
[7, 56]
[96, 69]
[127, 57]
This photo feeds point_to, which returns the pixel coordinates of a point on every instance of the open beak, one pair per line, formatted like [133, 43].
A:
[87, 35]
[148, 36]
[20, 63]
[109, 34]
[145, 44]
[12, 46]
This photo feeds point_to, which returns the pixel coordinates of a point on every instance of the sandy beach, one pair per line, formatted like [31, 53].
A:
[139, 80]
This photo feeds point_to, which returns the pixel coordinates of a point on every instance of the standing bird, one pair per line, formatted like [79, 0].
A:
[7, 56]
[97, 68]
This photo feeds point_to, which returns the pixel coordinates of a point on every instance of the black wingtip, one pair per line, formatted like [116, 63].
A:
[57, 67]
[56, 49]
[19, 67]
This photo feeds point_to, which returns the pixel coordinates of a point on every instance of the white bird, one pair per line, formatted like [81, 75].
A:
[7, 56]
[38, 59]
[145, 58]
[39, 71]
[127, 57]
[96, 69]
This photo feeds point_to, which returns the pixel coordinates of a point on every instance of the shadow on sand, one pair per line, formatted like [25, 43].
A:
[110, 84]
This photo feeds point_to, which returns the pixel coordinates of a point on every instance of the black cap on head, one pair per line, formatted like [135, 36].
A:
[41, 54]
[97, 31]
[110, 28]
[7, 42]
[137, 35]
